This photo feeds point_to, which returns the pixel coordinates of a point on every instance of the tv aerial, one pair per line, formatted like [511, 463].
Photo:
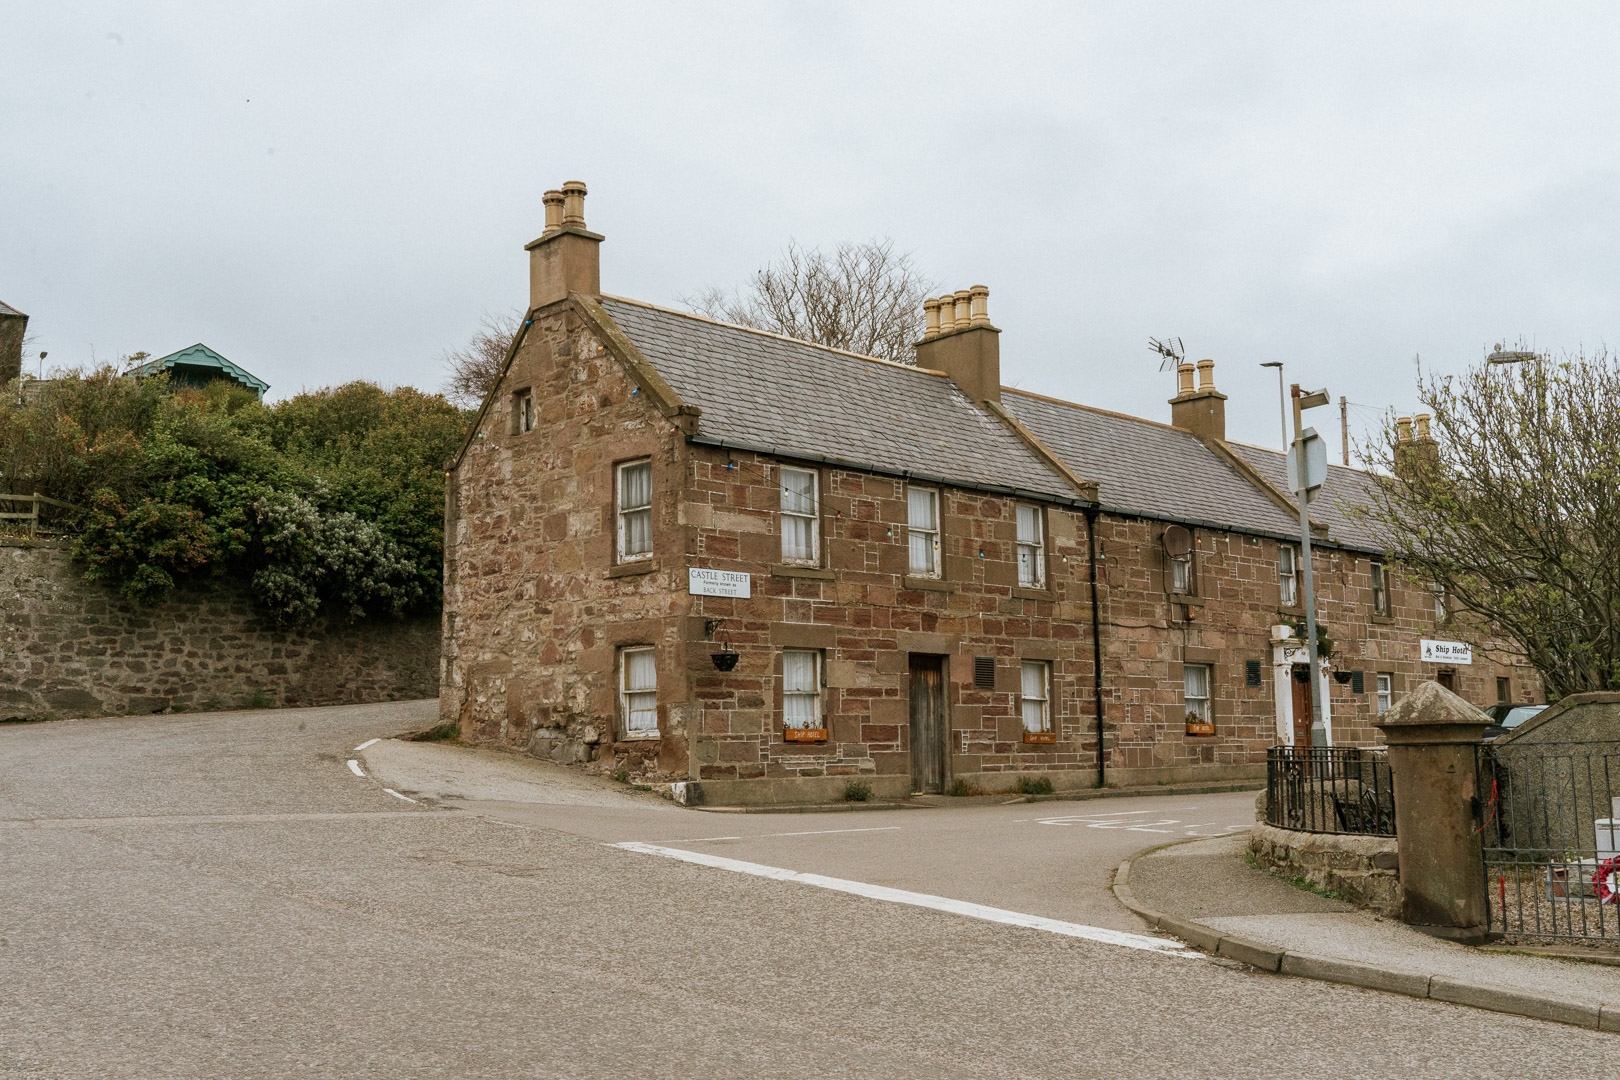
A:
[1171, 351]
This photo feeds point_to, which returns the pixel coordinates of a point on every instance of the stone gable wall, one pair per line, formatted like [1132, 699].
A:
[73, 648]
[535, 610]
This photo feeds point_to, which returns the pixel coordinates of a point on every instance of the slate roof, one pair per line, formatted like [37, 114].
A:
[1344, 488]
[7, 309]
[796, 399]
[1148, 469]
[201, 356]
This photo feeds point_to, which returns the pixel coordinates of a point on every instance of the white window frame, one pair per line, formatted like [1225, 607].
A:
[1441, 613]
[1288, 575]
[630, 698]
[932, 534]
[622, 512]
[1044, 702]
[1385, 697]
[818, 682]
[813, 517]
[1380, 587]
[1031, 550]
[1193, 705]
[523, 411]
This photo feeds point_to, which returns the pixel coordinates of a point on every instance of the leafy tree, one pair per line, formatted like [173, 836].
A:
[1514, 508]
[862, 297]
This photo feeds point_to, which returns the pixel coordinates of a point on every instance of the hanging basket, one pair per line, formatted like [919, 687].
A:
[724, 661]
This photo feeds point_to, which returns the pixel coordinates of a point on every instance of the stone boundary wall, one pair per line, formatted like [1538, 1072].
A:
[1361, 869]
[73, 648]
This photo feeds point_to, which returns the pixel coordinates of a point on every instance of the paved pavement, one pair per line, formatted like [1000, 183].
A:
[1260, 908]
[222, 896]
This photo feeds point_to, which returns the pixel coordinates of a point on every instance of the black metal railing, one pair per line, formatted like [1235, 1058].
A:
[1548, 824]
[1330, 789]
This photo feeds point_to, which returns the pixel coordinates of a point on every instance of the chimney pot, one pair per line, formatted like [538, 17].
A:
[554, 209]
[1422, 422]
[964, 309]
[1403, 429]
[930, 318]
[1206, 374]
[979, 305]
[574, 203]
[1184, 375]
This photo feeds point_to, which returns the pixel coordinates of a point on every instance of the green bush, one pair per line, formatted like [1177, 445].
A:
[857, 791]
[328, 503]
[1034, 785]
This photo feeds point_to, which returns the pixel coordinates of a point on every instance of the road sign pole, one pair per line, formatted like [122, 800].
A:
[1302, 493]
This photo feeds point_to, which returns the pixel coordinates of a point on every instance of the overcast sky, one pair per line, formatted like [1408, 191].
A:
[325, 192]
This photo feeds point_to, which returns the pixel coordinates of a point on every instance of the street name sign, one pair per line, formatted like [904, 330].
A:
[718, 583]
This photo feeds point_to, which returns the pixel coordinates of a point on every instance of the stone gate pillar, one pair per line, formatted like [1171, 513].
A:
[1433, 736]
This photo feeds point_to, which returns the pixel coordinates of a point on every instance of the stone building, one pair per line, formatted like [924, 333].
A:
[698, 552]
[13, 328]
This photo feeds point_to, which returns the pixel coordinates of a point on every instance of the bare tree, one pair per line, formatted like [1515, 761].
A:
[475, 366]
[864, 297]
[1514, 509]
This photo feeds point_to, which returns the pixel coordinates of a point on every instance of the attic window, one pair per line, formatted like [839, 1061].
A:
[522, 412]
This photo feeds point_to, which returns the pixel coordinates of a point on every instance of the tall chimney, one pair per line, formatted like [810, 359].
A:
[13, 327]
[966, 346]
[566, 258]
[1201, 411]
[1415, 454]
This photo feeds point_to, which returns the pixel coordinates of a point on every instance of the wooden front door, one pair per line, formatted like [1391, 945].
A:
[928, 727]
[1302, 706]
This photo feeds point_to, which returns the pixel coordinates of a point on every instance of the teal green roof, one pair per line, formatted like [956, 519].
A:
[201, 356]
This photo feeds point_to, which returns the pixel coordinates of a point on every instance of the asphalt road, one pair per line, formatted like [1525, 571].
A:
[221, 896]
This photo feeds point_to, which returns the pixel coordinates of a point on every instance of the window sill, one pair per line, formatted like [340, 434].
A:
[641, 736]
[789, 570]
[1185, 598]
[1291, 611]
[1381, 620]
[631, 569]
[927, 584]
[1033, 594]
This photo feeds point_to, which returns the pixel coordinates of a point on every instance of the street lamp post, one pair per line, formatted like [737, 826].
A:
[1304, 473]
[1282, 405]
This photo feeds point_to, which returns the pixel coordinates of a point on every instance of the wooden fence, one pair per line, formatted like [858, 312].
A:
[34, 503]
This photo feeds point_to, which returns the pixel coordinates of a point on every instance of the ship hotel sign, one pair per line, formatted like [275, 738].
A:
[1446, 652]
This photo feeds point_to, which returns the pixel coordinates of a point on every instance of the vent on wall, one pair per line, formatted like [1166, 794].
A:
[1251, 673]
[984, 672]
[1358, 682]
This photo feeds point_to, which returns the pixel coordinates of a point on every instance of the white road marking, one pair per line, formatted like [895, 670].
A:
[914, 899]
[766, 836]
[368, 742]
[397, 795]
[354, 767]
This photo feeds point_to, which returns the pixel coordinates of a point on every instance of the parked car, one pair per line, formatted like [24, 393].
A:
[1504, 718]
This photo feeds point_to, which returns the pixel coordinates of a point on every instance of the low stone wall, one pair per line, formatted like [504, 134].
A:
[1363, 870]
[72, 648]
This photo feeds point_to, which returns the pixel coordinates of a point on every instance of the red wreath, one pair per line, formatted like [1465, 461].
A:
[1603, 880]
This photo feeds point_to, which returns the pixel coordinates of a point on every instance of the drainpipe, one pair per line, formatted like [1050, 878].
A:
[1096, 642]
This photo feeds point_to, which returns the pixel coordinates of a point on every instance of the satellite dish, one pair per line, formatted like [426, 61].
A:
[1177, 541]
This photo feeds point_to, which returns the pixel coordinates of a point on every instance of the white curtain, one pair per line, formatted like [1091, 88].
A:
[800, 690]
[1031, 571]
[920, 509]
[635, 500]
[641, 691]
[798, 515]
[1034, 692]
[1195, 690]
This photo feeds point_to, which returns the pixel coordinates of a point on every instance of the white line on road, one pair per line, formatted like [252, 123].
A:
[924, 900]
[354, 767]
[769, 835]
[368, 742]
[397, 795]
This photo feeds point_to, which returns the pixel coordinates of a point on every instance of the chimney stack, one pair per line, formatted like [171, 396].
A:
[566, 258]
[1201, 411]
[1414, 453]
[959, 340]
[13, 327]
